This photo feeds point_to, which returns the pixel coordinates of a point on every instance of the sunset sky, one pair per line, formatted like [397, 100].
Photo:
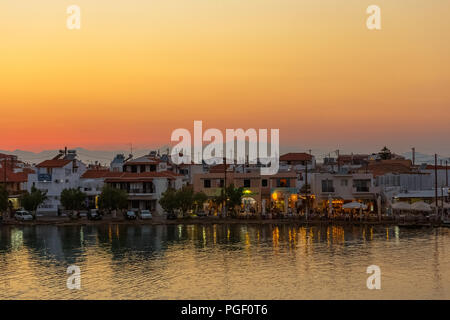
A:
[139, 69]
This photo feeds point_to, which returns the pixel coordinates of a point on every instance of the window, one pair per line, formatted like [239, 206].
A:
[264, 182]
[221, 183]
[327, 186]
[361, 185]
[344, 182]
[142, 168]
[207, 183]
[246, 183]
[282, 183]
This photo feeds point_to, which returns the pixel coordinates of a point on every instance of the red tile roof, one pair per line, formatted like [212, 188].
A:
[97, 174]
[111, 176]
[218, 168]
[296, 156]
[15, 176]
[349, 157]
[438, 167]
[381, 168]
[55, 163]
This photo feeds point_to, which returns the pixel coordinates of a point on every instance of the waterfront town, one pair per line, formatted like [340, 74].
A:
[365, 187]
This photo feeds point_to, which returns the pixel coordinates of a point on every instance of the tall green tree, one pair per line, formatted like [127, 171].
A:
[234, 196]
[199, 199]
[73, 199]
[169, 200]
[30, 201]
[185, 198]
[112, 199]
[3, 199]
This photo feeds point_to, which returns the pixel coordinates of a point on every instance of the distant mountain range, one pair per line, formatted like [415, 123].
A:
[105, 157]
[425, 158]
[85, 155]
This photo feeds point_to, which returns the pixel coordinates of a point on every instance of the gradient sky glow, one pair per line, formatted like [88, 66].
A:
[139, 69]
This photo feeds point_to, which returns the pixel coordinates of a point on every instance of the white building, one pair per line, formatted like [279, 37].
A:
[442, 175]
[54, 176]
[144, 179]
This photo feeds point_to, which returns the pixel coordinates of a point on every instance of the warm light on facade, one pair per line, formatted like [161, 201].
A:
[275, 196]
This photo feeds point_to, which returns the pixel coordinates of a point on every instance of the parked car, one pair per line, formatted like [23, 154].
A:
[130, 215]
[94, 214]
[146, 214]
[83, 213]
[23, 215]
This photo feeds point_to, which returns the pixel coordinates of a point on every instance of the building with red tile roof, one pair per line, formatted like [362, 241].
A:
[53, 163]
[296, 158]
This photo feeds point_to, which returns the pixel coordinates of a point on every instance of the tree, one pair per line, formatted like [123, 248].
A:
[182, 199]
[234, 196]
[169, 201]
[73, 199]
[30, 201]
[3, 199]
[185, 198]
[199, 199]
[112, 199]
[385, 154]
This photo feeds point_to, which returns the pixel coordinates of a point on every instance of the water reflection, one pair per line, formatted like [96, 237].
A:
[223, 261]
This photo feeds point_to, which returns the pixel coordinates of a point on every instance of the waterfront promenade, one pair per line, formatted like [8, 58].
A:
[406, 221]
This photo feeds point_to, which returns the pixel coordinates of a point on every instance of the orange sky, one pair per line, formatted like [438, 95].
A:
[139, 69]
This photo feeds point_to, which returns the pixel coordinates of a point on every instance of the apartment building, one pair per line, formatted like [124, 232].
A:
[341, 188]
[260, 191]
[55, 175]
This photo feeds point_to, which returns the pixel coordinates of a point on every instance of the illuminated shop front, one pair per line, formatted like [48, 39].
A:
[14, 202]
[250, 200]
[338, 203]
[284, 198]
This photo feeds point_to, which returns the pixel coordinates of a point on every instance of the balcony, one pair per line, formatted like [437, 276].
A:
[363, 189]
[328, 190]
[140, 191]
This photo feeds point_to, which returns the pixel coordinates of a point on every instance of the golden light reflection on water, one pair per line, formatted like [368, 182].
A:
[223, 261]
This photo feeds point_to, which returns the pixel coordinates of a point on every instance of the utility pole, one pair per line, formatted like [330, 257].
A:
[306, 191]
[413, 156]
[224, 209]
[338, 161]
[446, 173]
[435, 181]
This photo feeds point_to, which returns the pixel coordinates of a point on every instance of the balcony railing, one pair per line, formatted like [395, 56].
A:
[140, 190]
[361, 189]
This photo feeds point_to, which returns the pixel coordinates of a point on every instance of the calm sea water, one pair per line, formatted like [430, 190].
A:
[223, 262]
